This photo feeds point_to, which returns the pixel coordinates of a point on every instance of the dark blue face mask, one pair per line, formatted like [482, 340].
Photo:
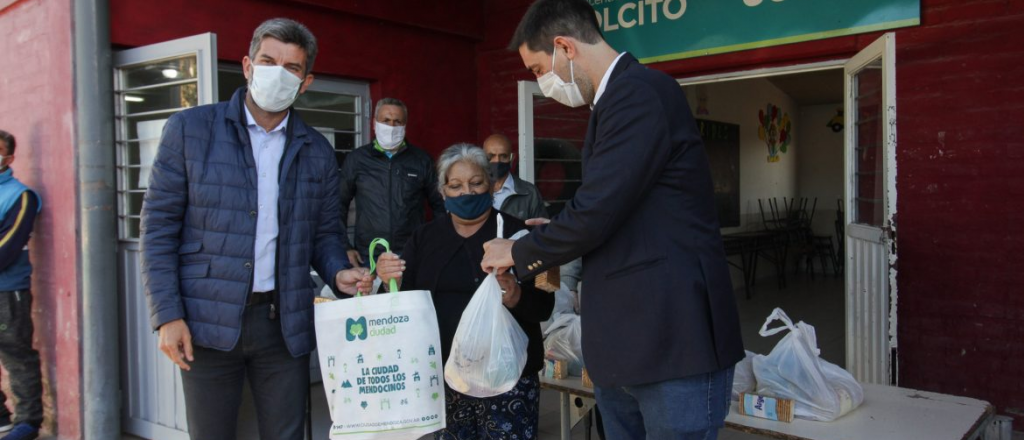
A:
[469, 206]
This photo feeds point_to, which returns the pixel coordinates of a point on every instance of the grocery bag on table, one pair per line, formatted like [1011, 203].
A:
[793, 370]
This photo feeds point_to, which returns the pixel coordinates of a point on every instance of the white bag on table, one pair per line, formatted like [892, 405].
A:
[489, 349]
[743, 376]
[562, 341]
[380, 356]
[820, 390]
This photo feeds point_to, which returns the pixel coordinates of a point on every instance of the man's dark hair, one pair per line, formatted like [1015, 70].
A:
[547, 19]
[286, 31]
[9, 140]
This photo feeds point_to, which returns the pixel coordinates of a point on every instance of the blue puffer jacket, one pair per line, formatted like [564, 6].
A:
[199, 225]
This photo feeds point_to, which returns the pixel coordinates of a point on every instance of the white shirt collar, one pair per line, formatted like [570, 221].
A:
[250, 121]
[508, 185]
[604, 79]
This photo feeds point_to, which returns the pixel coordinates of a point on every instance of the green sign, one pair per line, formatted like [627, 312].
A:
[662, 30]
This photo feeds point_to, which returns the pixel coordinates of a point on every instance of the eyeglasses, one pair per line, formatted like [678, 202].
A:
[501, 157]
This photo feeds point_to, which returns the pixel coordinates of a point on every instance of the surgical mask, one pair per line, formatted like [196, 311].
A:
[553, 87]
[389, 137]
[498, 170]
[469, 206]
[273, 88]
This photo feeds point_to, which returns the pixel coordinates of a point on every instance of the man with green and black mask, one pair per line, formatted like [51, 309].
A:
[389, 179]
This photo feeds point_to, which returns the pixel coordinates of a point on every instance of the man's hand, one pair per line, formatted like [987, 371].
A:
[537, 221]
[497, 256]
[347, 279]
[510, 291]
[176, 343]
[354, 258]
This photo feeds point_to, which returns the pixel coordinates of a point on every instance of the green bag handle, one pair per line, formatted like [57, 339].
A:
[392, 285]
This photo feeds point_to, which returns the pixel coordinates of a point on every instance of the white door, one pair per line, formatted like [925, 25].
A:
[870, 87]
[151, 83]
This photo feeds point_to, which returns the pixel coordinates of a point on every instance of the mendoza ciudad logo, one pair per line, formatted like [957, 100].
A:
[361, 328]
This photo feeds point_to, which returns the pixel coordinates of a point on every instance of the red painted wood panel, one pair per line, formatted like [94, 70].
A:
[38, 108]
[433, 71]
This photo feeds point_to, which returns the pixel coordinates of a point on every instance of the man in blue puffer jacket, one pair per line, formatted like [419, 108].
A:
[242, 200]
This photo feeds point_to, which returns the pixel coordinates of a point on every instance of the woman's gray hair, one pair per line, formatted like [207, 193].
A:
[463, 152]
[287, 31]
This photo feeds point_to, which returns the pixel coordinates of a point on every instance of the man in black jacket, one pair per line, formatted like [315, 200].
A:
[660, 328]
[390, 179]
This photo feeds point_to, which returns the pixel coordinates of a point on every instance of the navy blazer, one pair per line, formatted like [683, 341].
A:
[657, 299]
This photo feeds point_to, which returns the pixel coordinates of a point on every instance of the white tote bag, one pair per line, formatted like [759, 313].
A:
[380, 356]
[489, 349]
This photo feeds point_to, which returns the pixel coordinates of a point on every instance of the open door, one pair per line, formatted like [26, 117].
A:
[870, 90]
[151, 83]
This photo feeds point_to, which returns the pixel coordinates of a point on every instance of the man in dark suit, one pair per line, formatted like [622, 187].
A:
[660, 328]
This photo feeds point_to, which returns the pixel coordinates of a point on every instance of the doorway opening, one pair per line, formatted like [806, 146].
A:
[776, 147]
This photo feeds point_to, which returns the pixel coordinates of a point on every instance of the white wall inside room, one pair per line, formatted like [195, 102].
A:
[820, 164]
[738, 102]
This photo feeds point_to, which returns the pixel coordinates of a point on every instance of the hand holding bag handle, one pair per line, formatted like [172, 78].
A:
[392, 285]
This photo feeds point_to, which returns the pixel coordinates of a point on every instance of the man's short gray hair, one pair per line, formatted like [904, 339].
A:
[391, 101]
[468, 153]
[287, 31]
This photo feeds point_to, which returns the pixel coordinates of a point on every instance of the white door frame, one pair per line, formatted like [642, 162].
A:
[153, 403]
[871, 318]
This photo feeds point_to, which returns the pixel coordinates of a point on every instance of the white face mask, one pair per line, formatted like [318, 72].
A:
[553, 87]
[389, 137]
[273, 88]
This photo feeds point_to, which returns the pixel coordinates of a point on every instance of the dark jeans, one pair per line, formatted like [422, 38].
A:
[691, 408]
[279, 382]
[19, 358]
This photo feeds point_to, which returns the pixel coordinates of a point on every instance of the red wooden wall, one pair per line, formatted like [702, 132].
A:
[37, 107]
[413, 51]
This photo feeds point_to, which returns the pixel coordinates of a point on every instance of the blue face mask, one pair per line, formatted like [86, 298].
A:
[469, 206]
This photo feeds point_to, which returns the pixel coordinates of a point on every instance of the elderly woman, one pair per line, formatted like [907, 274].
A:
[444, 257]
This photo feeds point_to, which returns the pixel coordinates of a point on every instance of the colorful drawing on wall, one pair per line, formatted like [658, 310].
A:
[775, 129]
[836, 123]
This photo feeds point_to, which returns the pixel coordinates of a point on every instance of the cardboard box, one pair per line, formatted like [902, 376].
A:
[765, 407]
[555, 369]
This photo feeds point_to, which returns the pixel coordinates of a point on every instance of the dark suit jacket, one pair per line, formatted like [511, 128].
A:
[657, 301]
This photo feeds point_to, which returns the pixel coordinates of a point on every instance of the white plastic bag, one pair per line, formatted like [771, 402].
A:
[743, 377]
[489, 350]
[821, 390]
[562, 342]
[380, 357]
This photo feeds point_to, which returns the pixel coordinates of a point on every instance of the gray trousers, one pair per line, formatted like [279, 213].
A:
[279, 383]
[19, 358]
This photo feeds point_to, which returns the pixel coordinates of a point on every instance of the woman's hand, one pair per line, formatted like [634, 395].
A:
[389, 267]
[510, 290]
